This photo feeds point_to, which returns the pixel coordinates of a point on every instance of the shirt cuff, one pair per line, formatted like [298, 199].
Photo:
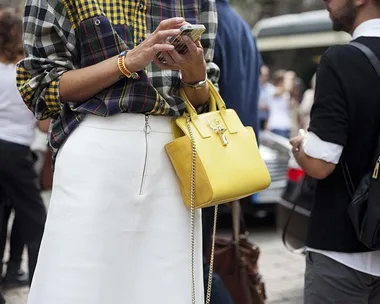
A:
[317, 148]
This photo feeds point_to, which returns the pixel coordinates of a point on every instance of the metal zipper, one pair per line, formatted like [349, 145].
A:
[147, 130]
[376, 171]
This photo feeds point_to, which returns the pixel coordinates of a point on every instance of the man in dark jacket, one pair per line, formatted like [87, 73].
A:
[344, 130]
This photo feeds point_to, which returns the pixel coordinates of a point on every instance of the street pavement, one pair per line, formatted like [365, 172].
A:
[282, 271]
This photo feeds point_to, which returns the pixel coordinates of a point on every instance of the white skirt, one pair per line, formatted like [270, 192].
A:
[117, 231]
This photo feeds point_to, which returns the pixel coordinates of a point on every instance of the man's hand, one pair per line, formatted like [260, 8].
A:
[315, 168]
[296, 143]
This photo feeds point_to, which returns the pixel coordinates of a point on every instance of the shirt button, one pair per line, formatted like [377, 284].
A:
[97, 21]
[140, 40]
[141, 6]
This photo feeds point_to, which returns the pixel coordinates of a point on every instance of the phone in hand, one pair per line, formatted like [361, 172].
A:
[194, 31]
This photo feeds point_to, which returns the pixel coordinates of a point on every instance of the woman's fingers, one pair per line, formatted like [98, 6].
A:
[168, 58]
[176, 57]
[161, 47]
[162, 36]
[170, 23]
[191, 46]
[165, 65]
[161, 65]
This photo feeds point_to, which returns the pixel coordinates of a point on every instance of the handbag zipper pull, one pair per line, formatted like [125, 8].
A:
[376, 171]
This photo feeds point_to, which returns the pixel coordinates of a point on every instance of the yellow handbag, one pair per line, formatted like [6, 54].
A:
[217, 160]
[228, 164]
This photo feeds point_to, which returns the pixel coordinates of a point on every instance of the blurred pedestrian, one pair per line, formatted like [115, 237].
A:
[279, 105]
[306, 104]
[267, 90]
[18, 180]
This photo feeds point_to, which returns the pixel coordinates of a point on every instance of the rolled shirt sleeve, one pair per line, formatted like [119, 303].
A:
[317, 148]
[50, 49]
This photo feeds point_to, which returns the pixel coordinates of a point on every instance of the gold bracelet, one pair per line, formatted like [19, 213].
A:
[123, 68]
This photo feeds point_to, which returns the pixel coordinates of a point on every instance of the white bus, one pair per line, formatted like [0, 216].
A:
[296, 41]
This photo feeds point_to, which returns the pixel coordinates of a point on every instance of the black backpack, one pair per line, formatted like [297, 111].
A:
[364, 209]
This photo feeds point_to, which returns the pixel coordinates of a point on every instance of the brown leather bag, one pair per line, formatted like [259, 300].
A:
[46, 177]
[236, 263]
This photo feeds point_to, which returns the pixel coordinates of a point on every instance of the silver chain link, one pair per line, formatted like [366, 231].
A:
[192, 222]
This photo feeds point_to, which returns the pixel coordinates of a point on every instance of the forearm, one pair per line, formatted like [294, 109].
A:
[315, 168]
[199, 96]
[82, 84]
[44, 125]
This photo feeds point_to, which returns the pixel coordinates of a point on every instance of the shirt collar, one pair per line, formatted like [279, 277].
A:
[370, 28]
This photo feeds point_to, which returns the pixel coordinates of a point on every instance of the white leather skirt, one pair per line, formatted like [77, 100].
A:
[117, 231]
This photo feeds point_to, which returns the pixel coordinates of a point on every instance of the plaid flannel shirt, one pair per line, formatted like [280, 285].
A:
[62, 35]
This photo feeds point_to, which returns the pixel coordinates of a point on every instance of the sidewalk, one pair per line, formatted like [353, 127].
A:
[282, 271]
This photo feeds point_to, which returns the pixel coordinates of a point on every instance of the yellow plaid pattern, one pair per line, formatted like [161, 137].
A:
[119, 12]
[52, 96]
[23, 76]
[139, 23]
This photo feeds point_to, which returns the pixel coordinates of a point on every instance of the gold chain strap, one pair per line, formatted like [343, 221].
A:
[192, 222]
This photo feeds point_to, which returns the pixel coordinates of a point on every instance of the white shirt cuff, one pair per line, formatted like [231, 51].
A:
[317, 148]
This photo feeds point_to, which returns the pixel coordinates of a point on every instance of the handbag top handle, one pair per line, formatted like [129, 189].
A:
[216, 102]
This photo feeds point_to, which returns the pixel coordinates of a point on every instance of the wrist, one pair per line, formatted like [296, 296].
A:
[194, 75]
[129, 62]
[124, 69]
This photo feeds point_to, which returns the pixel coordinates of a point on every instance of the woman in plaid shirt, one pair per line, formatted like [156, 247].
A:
[117, 231]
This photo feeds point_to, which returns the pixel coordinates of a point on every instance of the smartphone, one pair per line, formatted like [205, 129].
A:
[193, 31]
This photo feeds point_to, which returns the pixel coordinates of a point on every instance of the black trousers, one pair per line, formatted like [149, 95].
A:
[16, 240]
[18, 184]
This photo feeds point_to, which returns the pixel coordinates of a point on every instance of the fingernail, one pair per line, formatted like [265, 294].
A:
[186, 38]
[180, 19]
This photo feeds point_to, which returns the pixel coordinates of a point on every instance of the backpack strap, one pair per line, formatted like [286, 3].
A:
[375, 62]
[369, 54]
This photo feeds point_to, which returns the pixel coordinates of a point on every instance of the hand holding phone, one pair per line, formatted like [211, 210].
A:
[193, 31]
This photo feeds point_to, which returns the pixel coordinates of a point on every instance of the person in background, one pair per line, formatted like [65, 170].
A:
[295, 100]
[15, 276]
[239, 61]
[267, 90]
[343, 133]
[306, 104]
[18, 180]
[39, 146]
[279, 106]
